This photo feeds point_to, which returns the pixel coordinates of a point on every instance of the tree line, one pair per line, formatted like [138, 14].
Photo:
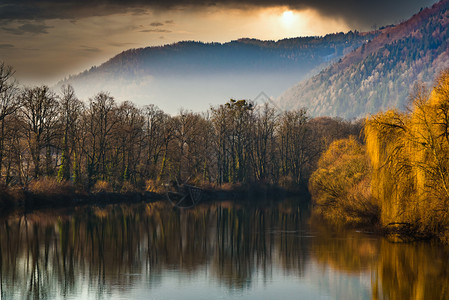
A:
[45, 134]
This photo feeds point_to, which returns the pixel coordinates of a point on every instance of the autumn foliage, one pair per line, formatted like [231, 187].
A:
[409, 154]
[406, 179]
[340, 185]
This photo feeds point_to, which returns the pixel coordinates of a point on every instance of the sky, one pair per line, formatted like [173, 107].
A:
[47, 40]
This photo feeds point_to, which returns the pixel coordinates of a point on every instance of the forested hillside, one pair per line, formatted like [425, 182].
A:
[236, 56]
[195, 75]
[380, 74]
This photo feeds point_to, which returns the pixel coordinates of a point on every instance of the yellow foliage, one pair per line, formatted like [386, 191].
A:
[100, 213]
[154, 186]
[340, 186]
[102, 186]
[398, 271]
[409, 154]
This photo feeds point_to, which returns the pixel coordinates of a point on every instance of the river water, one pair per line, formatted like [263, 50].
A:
[223, 250]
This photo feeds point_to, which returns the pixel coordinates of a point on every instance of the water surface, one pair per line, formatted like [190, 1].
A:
[215, 251]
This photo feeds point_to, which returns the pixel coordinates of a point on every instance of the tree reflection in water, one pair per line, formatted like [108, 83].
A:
[398, 271]
[45, 255]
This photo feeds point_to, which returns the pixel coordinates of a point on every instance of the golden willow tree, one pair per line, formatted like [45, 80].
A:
[409, 154]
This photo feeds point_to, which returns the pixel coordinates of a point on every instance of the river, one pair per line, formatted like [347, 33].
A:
[222, 250]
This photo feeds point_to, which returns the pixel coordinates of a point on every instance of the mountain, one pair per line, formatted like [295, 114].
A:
[382, 72]
[195, 75]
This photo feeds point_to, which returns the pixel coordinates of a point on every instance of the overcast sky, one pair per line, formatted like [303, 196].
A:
[46, 40]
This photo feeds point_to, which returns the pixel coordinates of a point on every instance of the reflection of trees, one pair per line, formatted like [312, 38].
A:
[242, 244]
[43, 255]
[257, 239]
[398, 271]
[413, 271]
[349, 253]
[293, 243]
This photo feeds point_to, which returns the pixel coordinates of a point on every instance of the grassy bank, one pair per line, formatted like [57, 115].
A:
[50, 193]
[46, 193]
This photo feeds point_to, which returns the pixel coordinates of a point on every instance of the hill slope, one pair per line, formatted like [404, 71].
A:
[194, 74]
[381, 73]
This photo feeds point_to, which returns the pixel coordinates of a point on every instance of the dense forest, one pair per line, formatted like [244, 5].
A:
[400, 178]
[242, 55]
[379, 74]
[101, 144]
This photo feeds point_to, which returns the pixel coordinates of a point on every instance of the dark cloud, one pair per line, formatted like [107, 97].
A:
[116, 44]
[156, 30]
[90, 49]
[355, 12]
[138, 11]
[157, 24]
[169, 22]
[6, 46]
[28, 28]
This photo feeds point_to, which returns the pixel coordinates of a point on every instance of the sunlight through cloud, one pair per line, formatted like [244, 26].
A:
[288, 18]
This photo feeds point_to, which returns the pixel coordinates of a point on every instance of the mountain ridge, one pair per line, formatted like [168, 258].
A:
[240, 68]
[379, 74]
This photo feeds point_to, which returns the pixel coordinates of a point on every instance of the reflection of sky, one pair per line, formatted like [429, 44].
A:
[338, 285]
[319, 282]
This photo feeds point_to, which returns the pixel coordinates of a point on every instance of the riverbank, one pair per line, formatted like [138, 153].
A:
[393, 232]
[51, 194]
[23, 198]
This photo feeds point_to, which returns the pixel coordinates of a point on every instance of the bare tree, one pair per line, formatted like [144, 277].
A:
[100, 119]
[293, 144]
[9, 102]
[263, 156]
[129, 137]
[70, 113]
[154, 139]
[39, 111]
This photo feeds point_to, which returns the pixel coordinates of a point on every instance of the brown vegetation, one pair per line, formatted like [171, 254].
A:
[50, 187]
